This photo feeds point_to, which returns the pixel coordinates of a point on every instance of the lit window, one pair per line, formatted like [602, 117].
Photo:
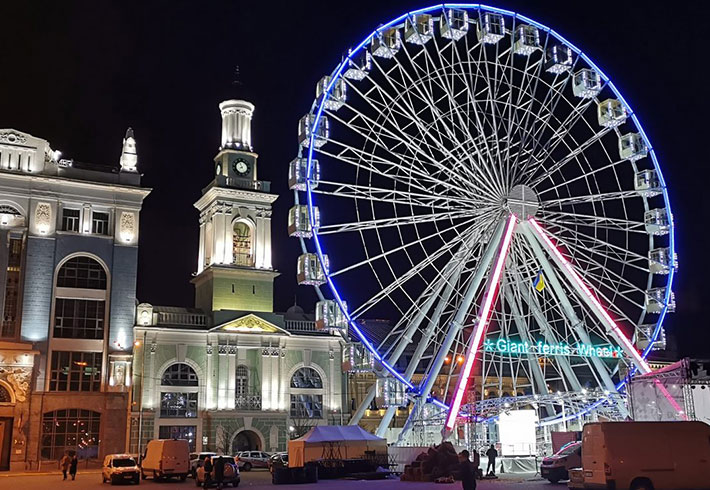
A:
[306, 378]
[178, 404]
[73, 429]
[242, 244]
[179, 374]
[307, 406]
[75, 371]
[185, 432]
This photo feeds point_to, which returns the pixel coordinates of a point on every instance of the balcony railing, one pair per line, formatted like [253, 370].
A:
[247, 402]
[248, 184]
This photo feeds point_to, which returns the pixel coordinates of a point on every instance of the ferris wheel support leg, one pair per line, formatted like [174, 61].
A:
[454, 329]
[366, 402]
[559, 293]
[588, 297]
[479, 328]
[537, 373]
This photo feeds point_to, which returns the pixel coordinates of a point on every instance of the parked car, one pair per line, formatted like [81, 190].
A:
[278, 460]
[231, 472]
[197, 460]
[120, 467]
[166, 458]
[252, 459]
[646, 455]
[557, 466]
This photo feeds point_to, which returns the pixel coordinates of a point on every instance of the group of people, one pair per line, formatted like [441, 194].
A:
[68, 464]
[469, 469]
[214, 471]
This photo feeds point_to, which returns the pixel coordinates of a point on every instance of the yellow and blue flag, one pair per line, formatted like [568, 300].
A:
[539, 282]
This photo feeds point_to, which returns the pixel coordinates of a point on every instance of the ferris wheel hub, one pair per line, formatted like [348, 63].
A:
[522, 202]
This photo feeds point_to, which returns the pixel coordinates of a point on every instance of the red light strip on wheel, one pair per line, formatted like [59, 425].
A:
[481, 326]
[640, 361]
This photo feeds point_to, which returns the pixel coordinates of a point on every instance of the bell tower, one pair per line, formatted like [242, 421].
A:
[234, 269]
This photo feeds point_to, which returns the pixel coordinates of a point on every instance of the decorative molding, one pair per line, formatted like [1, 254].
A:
[19, 379]
[222, 349]
[43, 217]
[12, 137]
[331, 354]
[127, 226]
[210, 350]
[153, 347]
[232, 350]
[265, 351]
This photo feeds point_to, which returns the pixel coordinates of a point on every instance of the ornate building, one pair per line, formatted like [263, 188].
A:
[68, 263]
[230, 374]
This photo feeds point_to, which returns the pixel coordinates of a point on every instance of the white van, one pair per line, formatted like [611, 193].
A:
[165, 458]
[646, 455]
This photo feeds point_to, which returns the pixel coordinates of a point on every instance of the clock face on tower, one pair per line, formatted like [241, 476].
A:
[241, 166]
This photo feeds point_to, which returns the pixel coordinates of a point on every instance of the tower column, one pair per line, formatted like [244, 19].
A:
[228, 237]
[201, 250]
[267, 240]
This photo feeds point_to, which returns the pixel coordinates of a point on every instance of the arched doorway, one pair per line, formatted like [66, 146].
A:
[246, 440]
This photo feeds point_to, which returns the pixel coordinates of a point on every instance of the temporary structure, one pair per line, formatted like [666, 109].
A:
[334, 441]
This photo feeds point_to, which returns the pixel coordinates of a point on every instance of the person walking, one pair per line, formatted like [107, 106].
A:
[64, 464]
[467, 471]
[208, 471]
[492, 455]
[72, 466]
[219, 472]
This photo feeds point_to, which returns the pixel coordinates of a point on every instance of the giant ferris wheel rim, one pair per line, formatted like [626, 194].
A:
[318, 107]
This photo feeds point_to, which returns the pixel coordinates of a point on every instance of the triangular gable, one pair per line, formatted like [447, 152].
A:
[250, 324]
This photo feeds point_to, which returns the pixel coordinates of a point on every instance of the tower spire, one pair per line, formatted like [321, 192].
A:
[129, 157]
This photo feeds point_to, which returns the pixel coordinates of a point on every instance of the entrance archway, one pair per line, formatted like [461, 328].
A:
[246, 440]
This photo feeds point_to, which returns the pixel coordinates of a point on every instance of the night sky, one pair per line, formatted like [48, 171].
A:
[79, 73]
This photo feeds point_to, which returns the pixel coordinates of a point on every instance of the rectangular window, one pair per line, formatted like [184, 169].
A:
[70, 219]
[12, 289]
[75, 371]
[99, 223]
[187, 432]
[307, 406]
[178, 404]
[79, 319]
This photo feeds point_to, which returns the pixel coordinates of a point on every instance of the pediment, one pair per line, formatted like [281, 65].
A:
[250, 324]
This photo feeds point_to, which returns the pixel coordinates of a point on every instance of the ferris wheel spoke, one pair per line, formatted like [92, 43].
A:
[600, 222]
[601, 197]
[385, 292]
[462, 116]
[366, 161]
[382, 223]
[425, 95]
[586, 175]
[556, 166]
[395, 196]
[535, 232]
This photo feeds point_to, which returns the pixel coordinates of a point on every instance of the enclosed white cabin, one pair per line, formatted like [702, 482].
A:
[385, 44]
[586, 83]
[526, 40]
[298, 174]
[337, 95]
[310, 271]
[490, 28]
[453, 24]
[419, 29]
[320, 134]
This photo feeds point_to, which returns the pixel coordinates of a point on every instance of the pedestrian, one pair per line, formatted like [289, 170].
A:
[492, 455]
[72, 466]
[219, 472]
[467, 471]
[208, 471]
[64, 464]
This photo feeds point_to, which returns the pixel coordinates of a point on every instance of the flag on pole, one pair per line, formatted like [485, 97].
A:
[539, 282]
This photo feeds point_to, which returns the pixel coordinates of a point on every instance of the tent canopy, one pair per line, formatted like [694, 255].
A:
[332, 433]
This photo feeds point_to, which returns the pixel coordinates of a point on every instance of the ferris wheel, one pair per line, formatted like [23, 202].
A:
[472, 176]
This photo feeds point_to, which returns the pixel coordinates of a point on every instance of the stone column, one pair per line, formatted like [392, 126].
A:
[231, 376]
[4, 257]
[222, 379]
[201, 250]
[267, 240]
[266, 385]
[228, 235]
[209, 384]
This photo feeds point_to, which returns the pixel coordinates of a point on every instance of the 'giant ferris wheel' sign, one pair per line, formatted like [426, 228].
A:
[507, 346]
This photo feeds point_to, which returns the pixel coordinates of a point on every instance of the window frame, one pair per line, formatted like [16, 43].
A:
[77, 326]
[66, 419]
[75, 374]
[71, 219]
[98, 224]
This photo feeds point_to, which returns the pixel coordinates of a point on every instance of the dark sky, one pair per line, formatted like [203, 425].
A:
[79, 73]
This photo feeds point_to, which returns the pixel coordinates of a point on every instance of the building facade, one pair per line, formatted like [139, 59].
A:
[68, 265]
[231, 374]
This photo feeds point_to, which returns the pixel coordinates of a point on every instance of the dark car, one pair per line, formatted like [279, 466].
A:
[231, 473]
[278, 460]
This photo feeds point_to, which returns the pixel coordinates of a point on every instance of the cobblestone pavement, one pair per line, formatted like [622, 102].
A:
[257, 480]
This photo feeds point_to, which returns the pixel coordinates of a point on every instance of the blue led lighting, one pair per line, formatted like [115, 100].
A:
[318, 108]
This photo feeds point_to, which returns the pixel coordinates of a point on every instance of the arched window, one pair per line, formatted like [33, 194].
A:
[179, 374]
[244, 399]
[306, 394]
[243, 244]
[79, 314]
[72, 429]
[81, 272]
[178, 392]
[5, 396]
[306, 378]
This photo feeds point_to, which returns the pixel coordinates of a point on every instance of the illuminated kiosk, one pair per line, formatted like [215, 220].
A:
[473, 176]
